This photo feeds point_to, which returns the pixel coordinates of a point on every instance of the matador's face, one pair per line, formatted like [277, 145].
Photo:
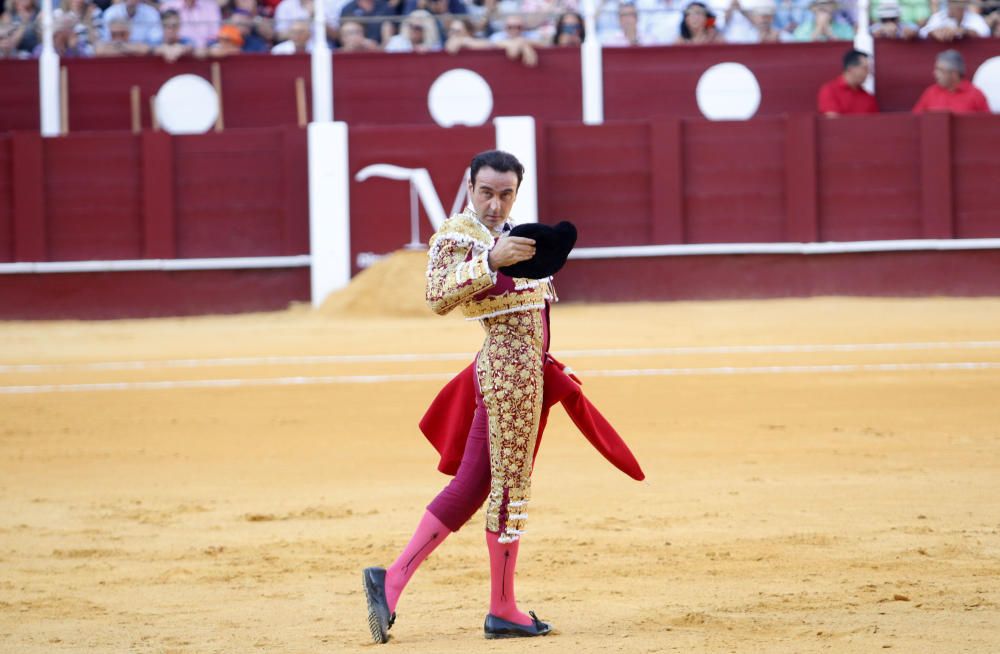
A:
[493, 194]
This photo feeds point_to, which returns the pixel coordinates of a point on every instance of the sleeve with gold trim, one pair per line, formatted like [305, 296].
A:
[453, 276]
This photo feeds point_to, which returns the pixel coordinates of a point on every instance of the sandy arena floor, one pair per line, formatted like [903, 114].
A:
[799, 499]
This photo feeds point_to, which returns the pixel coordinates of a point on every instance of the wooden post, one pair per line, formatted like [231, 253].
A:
[136, 111]
[220, 123]
[152, 114]
[63, 101]
[300, 101]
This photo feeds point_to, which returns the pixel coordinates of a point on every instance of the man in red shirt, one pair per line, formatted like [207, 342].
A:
[950, 92]
[844, 94]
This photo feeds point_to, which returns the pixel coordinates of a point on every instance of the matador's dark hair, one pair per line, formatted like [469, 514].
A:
[498, 160]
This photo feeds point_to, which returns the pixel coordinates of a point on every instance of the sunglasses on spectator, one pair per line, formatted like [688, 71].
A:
[514, 27]
[119, 34]
[570, 29]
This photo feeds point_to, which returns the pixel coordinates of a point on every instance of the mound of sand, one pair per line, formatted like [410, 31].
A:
[393, 286]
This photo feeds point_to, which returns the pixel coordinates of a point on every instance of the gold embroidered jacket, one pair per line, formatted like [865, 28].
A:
[458, 274]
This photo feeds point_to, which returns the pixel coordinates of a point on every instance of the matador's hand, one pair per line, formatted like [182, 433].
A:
[510, 250]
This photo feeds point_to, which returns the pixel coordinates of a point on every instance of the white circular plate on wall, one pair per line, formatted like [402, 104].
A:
[987, 80]
[728, 91]
[187, 104]
[460, 97]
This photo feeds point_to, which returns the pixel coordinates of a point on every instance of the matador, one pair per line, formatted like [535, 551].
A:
[488, 421]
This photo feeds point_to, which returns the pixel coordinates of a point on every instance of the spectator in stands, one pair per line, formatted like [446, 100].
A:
[299, 39]
[790, 14]
[174, 46]
[844, 94]
[247, 26]
[121, 42]
[143, 20]
[569, 30]
[439, 7]
[441, 10]
[461, 37]
[660, 20]
[26, 32]
[513, 28]
[370, 11]
[627, 33]
[698, 26]
[9, 41]
[732, 21]
[824, 23]
[65, 39]
[484, 17]
[514, 42]
[262, 28]
[353, 39]
[956, 21]
[950, 92]
[267, 7]
[228, 42]
[541, 16]
[418, 33]
[88, 21]
[889, 23]
[200, 19]
[291, 10]
[912, 12]
[761, 18]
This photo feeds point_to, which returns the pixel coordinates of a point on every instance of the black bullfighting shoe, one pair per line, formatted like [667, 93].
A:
[499, 628]
[380, 620]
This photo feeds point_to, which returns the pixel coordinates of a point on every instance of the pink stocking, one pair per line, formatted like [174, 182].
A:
[503, 560]
[430, 533]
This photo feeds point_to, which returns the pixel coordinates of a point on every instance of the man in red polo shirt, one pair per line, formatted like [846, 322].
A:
[844, 94]
[950, 92]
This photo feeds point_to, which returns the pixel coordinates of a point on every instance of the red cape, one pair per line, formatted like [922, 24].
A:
[446, 423]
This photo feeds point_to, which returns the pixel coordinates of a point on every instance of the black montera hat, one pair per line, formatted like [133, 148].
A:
[552, 246]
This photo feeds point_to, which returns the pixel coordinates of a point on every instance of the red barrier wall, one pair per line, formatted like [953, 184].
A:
[19, 104]
[117, 196]
[259, 90]
[641, 83]
[6, 199]
[391, 89]
[894, 274]
[244, 193]
[111, 295]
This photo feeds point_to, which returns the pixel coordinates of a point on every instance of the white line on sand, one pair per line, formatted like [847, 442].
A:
[221, 362]
[378, 379]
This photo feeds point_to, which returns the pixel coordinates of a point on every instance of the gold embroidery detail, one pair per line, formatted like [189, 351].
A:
[451, 280]
[509, 302]
[513, 425]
